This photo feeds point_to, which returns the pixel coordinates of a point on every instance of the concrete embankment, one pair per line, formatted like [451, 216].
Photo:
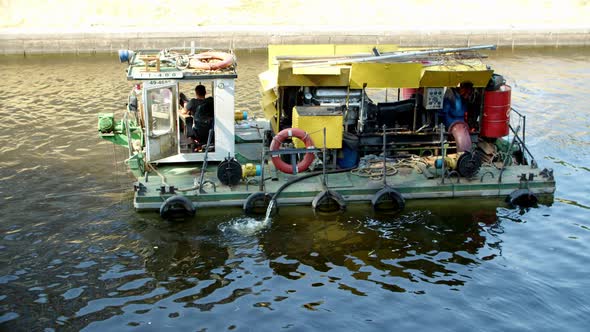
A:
[92, 41]
[74, 26]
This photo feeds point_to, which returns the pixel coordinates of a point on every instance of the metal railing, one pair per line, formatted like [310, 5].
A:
[520, 135]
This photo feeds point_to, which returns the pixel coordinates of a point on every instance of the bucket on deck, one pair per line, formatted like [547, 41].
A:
[496, 112]
[349, 159]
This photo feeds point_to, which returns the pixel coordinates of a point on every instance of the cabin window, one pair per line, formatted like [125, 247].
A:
[160, 103]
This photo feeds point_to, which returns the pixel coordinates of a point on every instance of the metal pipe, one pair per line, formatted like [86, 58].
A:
[415, 115]
[524, 130]
[361, 120]
[460, 131]
[262, 160]
[398, 55]
[384, 157]
[346, 112]
[508, 155]
[523, 145]
[442, 152]
[324, 179]
[128, 132]
[205, 160]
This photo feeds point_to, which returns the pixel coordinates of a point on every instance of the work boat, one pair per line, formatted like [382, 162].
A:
[374, 125]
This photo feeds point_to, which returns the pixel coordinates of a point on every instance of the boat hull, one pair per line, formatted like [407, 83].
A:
[353, 188]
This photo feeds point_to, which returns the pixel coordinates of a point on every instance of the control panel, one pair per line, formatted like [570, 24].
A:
[433, 98]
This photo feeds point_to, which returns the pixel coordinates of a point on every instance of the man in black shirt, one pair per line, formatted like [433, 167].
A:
[201, 109]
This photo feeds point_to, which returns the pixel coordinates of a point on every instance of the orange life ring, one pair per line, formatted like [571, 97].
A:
[275, 145]
[211, 60]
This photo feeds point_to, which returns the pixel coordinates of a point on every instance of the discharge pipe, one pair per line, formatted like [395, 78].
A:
[460, 131]
[273, 202]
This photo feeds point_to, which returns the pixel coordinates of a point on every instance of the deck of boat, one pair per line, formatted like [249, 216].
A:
[411, 183]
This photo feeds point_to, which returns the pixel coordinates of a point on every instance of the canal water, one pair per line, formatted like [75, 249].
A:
[75, 255]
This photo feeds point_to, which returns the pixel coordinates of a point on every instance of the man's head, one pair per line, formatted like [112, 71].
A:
[466, 89]
[200, 91]
[182, 99]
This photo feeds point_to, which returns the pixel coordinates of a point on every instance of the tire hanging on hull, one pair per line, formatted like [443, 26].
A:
[388, 200]
[177, 208]
[522, 198]
[328, 201]
[257, 203]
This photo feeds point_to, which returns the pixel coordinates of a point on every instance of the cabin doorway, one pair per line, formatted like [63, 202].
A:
[193, 131]
[161, 103]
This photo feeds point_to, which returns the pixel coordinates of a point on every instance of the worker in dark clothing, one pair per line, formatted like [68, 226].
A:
[455, 103]
[201, 109]
[182, 103]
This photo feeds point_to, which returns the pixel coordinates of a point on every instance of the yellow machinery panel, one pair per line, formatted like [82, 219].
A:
[385, 75]
[313, 119]
[436, 78]
[286, 77]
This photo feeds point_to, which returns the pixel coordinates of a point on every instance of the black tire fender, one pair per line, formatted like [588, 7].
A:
[177, 207]
[388, 196]
[328, 201]
[257, 203]
[522, 198]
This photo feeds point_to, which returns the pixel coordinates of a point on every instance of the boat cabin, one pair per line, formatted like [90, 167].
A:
[169, 134]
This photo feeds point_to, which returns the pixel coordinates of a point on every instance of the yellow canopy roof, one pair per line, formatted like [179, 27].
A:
[314, 65]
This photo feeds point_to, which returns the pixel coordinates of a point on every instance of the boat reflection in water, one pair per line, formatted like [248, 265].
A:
[428, 244]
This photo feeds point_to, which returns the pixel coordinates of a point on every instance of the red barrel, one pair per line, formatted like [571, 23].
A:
[407, 93]
[496, 112]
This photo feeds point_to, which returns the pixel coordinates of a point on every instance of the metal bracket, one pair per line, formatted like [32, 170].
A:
[205, 161]
[451, 173]
[167, 190]
[484, 174]
[525, 180]
[202, 191]
[505, 161]
[547, 173]
[253, 181]
[139, 187]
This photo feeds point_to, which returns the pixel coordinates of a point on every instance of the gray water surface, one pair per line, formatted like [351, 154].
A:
[75, 255]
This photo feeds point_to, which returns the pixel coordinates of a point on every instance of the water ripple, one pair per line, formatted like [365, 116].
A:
[75, 255]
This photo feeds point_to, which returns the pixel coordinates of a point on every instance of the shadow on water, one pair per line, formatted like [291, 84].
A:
[395, 253]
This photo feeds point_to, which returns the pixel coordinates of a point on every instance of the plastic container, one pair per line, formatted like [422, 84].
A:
[240, 115]
[350, 158]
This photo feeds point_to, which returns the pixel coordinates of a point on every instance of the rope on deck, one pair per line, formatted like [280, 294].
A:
[371, 166]
[494, 158]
